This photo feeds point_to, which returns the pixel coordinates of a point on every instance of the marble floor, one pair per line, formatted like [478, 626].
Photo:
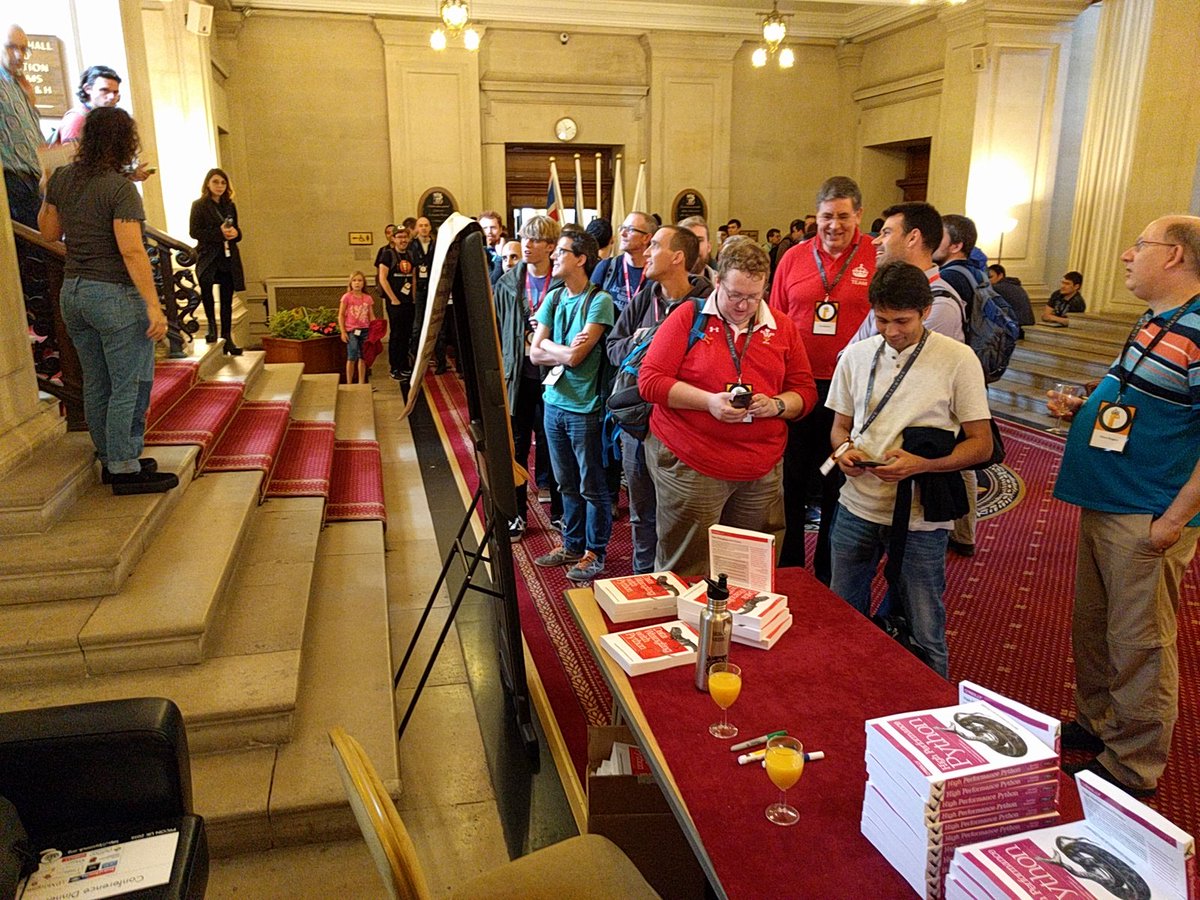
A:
[472, 797]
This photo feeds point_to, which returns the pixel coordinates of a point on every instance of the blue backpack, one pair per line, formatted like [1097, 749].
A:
[989, 327]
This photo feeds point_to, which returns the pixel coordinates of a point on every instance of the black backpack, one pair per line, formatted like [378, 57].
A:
[627, 410]
[989, 328]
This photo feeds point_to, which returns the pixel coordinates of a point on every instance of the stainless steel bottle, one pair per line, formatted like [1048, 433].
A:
[716, 630]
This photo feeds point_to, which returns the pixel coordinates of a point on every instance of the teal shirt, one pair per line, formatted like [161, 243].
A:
[578, 390]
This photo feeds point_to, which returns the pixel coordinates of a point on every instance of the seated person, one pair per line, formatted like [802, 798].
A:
[1067, 299]
[1014, 294]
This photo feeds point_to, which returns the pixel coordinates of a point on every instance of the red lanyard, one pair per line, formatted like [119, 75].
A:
[534, 307]
[629, 292]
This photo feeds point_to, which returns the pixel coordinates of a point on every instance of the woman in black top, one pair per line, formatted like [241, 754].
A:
[214, 227]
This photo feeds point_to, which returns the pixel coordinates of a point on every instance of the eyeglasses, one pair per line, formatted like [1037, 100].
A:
[629, 229]
[840, 218]
[563, 251]
[742, 298]
[1139, 244]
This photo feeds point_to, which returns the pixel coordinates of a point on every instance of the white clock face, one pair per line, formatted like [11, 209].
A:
[566, 129]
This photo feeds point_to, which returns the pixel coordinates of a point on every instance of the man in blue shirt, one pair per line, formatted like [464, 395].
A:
[621, 276]
[1131, 465]
[20, 136]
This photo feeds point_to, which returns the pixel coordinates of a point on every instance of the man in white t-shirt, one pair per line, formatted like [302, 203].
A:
[938, 386]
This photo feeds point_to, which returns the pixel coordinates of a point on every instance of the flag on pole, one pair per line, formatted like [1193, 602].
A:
[578, 192]
[639, 192]
[554, 205]
[599, 207]
[618, 197]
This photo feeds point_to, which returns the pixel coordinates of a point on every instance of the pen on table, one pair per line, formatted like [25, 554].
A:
[754, 742]
[756, 755]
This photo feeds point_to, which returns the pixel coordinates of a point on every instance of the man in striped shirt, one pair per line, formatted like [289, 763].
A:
[1131, 465]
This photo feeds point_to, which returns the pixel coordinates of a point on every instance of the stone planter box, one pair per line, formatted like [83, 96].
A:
[320, 355]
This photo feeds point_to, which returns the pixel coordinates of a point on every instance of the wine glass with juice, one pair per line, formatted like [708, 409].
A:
[724, 685]
[784, 763]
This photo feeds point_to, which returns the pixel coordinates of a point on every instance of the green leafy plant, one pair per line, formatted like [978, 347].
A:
[302, 323]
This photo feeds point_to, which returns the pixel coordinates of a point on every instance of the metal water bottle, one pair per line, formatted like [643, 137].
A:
[716, 630]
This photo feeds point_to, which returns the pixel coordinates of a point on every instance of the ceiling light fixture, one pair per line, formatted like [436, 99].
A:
[456, 19]
[774, 32]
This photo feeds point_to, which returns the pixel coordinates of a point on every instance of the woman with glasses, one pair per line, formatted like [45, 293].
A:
[109, 302]
[718, 426]
[214, 227]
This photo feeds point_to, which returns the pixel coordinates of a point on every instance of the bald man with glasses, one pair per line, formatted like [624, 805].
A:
[20, 134]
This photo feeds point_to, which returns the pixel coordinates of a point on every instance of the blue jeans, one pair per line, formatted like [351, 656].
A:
[575, 454]
[643, 504]
[857, 547]
[107, 323]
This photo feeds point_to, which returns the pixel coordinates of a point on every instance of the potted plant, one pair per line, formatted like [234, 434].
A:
[308, 336]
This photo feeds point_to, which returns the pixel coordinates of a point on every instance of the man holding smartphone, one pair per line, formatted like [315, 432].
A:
[903, 385]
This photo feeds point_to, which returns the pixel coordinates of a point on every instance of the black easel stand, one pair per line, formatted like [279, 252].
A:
[470, 560]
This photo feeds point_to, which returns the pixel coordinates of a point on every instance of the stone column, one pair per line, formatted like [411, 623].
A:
[691, 96]
[1138, 153]
[433, 117]
[849, 63]
[996, 145]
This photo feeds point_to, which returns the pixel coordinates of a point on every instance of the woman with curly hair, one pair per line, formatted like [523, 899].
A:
[214, 227]
[108, 299]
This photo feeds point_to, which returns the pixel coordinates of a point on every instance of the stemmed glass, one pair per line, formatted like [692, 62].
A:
[784, 763]
[724, 685]
[1062, 391]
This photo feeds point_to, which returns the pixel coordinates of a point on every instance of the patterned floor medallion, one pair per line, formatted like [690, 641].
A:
[1000, 489]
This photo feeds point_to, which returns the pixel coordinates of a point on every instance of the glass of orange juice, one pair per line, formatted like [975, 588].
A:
[784, 763]
[724, 685]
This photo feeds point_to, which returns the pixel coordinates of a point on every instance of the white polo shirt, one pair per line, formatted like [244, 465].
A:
[943, 389]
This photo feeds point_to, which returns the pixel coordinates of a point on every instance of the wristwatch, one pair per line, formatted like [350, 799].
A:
[780, 407]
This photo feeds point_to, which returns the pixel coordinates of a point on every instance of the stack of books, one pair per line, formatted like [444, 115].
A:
[652, 648]
[637, 597]
[1122, 850]
[759, 617]
[942, 778]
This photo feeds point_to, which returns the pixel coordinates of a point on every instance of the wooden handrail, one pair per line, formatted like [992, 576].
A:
[33, 236]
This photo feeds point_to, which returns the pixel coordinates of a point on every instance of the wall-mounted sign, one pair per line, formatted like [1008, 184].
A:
[362, 238]
[436, 205]
[46, 69]
[688, 202]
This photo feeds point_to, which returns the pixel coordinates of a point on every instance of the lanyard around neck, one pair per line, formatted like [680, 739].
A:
[529, 295]
[1147, 317]
[629, 291]
[895, 384]
[829, 288]
[733, 354]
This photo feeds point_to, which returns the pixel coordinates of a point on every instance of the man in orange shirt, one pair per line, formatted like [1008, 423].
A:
[821, 285]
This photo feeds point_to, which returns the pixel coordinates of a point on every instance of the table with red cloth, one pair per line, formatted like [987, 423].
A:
[828, 674]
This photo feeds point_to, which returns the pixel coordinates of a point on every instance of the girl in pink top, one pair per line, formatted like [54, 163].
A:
[354, 321]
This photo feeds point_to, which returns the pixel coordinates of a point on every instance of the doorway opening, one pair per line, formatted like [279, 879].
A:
[527, 177]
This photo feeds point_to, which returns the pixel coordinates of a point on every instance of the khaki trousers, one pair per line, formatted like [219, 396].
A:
[1123, 634]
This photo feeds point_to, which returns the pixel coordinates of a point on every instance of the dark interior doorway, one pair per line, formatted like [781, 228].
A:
[527, 175]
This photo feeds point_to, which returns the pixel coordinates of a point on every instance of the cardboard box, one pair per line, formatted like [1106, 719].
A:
[631, 811]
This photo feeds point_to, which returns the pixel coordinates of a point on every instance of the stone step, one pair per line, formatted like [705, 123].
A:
[243, 692]
[245, 368]
[259, 797]
[277, 382]
[316, 400]
[1046, 377]
[37, 493]
[1022, 403]
[355, 413]
[94, 545]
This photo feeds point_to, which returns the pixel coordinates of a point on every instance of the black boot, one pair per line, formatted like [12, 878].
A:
[228, 347]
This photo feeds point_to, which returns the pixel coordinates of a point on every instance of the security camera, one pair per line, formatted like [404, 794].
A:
[563, 37]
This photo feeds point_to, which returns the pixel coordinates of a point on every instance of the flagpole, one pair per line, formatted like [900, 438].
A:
[618, 197]
[639, 192]
[599, 208]
[578, 192]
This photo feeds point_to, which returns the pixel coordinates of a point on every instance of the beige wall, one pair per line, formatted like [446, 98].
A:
[784, 127]
[309, 151]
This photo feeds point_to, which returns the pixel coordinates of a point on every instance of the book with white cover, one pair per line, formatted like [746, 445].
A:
[942, 753]
[750, 608]
[745, 558]
[655, 647]
[1048, 729]
[770, 637]
[636, 597]
[1121, 850]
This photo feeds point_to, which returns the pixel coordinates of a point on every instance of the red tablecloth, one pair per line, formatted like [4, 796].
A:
[825, 677]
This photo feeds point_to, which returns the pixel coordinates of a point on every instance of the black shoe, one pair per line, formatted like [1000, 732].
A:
[960, 548]
[1075, 737]
[144, 483]
[210, 337]
[395, 376]
[229, 348]
[1096, 768]
[516, 528]
[812, 515]
[149, 467]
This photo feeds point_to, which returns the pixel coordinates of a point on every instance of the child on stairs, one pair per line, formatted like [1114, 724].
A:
[354, 321]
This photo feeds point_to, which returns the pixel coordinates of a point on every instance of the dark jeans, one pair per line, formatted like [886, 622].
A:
[808, 446]
[400, 326]
[575, 451]
[224, 280]
[527, 423]
[24, 198]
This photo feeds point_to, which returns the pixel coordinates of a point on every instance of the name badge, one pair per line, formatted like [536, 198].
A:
[553, 375]
[423, 272]
[825, 317]
[1113, 424]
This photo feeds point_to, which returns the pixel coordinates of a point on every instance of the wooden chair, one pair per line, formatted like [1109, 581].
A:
[582, 867]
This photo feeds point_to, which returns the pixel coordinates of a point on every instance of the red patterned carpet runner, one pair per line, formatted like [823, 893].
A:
[252, 440]
[305, 461]
[172, 379]
[200, 417]
[1008, 608]
[356, 483]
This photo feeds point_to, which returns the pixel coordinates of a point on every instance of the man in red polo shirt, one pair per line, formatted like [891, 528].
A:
[821, 285]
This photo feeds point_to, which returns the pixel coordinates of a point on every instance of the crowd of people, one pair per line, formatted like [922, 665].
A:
[835, 365]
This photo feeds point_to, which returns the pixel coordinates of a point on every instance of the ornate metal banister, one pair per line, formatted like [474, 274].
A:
[175, 279]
